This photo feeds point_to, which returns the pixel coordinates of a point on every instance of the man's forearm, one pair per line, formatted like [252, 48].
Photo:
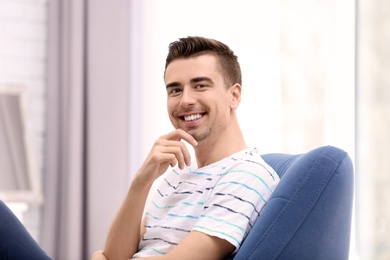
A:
[124, 234]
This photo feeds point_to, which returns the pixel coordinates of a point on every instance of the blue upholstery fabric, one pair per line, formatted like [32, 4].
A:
[309, 213]
[16, 242]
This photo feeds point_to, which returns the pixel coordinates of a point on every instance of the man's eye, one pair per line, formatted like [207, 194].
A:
[175, 90]
[200, 86]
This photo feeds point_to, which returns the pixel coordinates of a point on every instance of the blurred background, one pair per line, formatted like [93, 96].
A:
[82, 100]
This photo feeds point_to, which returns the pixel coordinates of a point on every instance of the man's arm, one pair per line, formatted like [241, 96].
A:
[124, 235]
[196, 246]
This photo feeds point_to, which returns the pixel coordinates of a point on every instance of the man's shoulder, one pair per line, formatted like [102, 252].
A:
[250, 164]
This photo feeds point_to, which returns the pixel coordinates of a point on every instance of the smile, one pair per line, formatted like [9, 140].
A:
[192, 117]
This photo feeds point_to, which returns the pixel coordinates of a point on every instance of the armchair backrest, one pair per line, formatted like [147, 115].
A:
[309, 213]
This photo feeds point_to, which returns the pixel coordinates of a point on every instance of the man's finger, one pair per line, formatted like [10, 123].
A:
[180, 134]
[178, 151]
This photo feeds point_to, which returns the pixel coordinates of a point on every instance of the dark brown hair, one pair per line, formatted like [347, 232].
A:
[194, 46]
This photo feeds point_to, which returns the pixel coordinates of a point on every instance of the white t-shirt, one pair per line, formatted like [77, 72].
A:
[222, 199]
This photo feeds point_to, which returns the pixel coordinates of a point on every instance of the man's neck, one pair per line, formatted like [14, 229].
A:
[216, 149]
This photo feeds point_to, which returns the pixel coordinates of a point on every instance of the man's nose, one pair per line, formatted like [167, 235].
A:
[187, 98]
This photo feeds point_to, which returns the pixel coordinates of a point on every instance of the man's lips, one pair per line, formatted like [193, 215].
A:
[191, 117]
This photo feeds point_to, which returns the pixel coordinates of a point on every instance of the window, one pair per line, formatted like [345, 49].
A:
[19, 172]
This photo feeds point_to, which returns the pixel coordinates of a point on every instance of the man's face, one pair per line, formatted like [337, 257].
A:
[198, 100]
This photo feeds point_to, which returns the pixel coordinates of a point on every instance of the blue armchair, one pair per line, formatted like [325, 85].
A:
[309, 213]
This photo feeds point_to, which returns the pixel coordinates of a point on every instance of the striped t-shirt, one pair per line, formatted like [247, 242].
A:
[222, 199]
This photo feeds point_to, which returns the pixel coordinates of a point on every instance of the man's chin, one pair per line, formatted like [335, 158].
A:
[195, 133]
[191, 131]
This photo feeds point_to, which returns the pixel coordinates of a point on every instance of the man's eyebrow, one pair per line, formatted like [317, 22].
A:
[173, 84]
[193, 80]
[199, 79]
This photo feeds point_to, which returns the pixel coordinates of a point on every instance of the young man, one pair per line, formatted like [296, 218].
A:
[205, 208]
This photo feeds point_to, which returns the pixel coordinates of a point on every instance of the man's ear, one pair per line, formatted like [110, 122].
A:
[235, 92]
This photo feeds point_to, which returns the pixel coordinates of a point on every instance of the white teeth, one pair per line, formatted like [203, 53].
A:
[192, 117]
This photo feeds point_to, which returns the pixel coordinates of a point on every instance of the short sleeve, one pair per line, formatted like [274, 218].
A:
[236, 200]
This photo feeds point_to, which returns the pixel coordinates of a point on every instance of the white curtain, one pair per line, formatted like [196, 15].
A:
[85, 169]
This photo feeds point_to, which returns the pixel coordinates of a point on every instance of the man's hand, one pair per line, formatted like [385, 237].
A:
[168, 150]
